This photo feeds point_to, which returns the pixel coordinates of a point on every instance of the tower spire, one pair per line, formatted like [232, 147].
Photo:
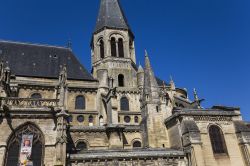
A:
[172, 84]
[147, 61]
[111, 16]
[150, 83]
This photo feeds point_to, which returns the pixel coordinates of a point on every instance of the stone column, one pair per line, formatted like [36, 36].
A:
[61, 140]
[2, 154]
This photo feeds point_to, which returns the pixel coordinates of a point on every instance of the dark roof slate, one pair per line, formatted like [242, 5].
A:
[43, 61]
[160, 82]
[111, 15]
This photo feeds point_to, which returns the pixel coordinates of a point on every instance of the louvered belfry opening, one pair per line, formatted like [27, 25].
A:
[113, 47]
[121, 48]
[102, 49]
[14, 144]
[217, 140]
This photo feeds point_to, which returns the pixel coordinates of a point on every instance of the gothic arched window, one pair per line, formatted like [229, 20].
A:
[217, 140]
[113, 47]
[121, 80]
[80, 103]
[81, 147]
[137, 144]
[124, 103]
[121, 48]
[14, 143]
[101, 49]
[36, 96]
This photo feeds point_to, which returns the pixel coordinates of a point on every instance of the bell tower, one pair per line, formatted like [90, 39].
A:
[112, 45]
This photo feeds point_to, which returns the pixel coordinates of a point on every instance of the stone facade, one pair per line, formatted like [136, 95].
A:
[121, 114]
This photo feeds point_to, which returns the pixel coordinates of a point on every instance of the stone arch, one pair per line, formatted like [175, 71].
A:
[121, 48]
[136, 142]
[80, 102]
[217, 139]
[121, 80]
[124, 103]
[101, 48]
[113, 47]
[14, 144]
[36, 95]
[116, 35]
[101, 120]
[85, 145]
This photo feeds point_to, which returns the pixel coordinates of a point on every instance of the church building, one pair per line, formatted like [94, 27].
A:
[53, 112]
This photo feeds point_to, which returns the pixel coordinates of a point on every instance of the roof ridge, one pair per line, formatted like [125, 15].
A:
[34, 44]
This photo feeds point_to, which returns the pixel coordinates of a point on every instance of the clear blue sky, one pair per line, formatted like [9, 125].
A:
[202, 43]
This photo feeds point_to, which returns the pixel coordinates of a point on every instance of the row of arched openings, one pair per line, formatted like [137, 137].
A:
[80, 102]
[115, 46]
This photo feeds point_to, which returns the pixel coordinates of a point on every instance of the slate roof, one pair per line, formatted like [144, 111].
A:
[32, 60]
[111, 15]
[160, 82]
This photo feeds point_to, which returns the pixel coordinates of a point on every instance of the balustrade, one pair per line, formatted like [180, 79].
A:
[28, 102]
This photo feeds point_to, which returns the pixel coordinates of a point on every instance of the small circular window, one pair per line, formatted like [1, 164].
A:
[127, 119]
[80, 118]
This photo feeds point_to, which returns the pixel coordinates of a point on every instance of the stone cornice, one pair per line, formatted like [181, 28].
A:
[129, 154]
[132, 128]
[201, 115]
[129, 113]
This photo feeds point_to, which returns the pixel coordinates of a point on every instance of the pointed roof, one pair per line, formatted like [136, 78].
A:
[151, 86]
[140, 69]
[111, 16]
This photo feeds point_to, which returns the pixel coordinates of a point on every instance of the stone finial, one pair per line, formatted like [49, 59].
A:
[172, 84]
[196, 98]
[140, 69]
[1, 70]
[69, 44]
[147, 61]
[7, 74]
[63, 75]
[146, 53]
